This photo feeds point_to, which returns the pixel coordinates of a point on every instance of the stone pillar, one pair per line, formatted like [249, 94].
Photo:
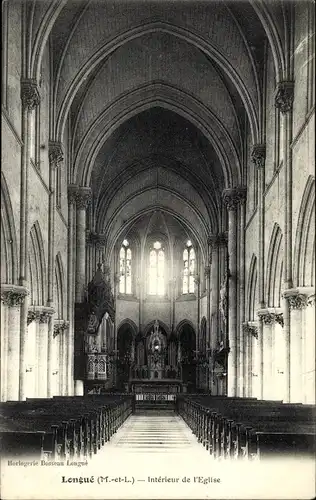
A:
[69, 354]
[198, 374]
[241, 301]
[55, 155]
[59, 335]
[4, 348]
[250, 330]
[232, 199]
[82, 196]
[30, 99]
[297, 302]
[13, 297]
[284, 102]
[268, 318]
[30, 355]
[258, 157]
[309, 380]
[44, 316]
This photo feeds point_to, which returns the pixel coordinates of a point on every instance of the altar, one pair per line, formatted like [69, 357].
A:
[156, 367]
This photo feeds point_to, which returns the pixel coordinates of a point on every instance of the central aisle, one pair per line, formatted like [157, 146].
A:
[153, 433]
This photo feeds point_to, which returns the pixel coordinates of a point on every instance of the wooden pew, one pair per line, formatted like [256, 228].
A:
[75, 426]
[234, 427]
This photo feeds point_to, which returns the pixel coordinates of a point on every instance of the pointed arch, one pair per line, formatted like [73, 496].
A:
[148, 328]
[252, 289]
[60, 298]
[274, 269]
[131, 324]
[304, 249]
[37, 267]
[8, 237]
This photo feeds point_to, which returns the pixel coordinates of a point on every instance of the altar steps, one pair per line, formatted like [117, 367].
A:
[155, 406]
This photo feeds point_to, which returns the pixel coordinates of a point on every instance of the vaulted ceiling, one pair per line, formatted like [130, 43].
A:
[156, 97]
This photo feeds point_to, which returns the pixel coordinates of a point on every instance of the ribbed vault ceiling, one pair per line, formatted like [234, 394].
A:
[155, 97]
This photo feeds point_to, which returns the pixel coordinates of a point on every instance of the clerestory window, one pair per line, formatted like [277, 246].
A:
[156, 274]
[125, 268]
[188, 268]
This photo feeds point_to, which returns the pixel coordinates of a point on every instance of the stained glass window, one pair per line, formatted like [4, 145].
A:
[188, 269]
[125, 268]
[156, 275]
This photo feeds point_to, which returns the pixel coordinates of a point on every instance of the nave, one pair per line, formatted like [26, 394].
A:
[200, 443]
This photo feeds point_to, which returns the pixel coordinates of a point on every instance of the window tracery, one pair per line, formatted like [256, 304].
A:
[125, 268]
[188, 258]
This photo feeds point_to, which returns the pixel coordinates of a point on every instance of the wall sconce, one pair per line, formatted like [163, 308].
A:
[55, 372]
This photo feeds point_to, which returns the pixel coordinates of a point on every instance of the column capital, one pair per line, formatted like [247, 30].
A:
[80, 195]
[258, 155]
[250, 329]
[55, 153]
[40, 314]
[296, 299]
[59, 326]
[233, 197]
[270, 317]
[30, 96]
[13, 295]
[284, 96]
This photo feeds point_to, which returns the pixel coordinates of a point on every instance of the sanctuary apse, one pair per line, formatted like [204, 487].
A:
[158, 198]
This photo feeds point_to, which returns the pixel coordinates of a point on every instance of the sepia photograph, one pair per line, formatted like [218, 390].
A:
[158, 250]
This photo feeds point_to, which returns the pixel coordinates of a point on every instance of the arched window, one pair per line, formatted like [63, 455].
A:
[156, 275]
[125, 268]
[188, 268]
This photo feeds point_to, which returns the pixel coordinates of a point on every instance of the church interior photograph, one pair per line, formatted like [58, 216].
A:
[158, 228]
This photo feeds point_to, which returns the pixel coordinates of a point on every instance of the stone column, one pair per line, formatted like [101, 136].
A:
[198, 373]
[30, 99]
[266, 374]
[284, 102]
[241, 319]
[13, 297]
[55, 155]
[208, 369]
[250, 330]
[297, 302]
[69, 354]
[59, 335]
[82, 197]
[268, 318]
[4, 348]
[258, 157]
[232, 199]
[44, 316]
[309, 370]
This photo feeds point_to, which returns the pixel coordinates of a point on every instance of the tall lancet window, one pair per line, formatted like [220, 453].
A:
[188, 268]
[125, 268]
[156, 277]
